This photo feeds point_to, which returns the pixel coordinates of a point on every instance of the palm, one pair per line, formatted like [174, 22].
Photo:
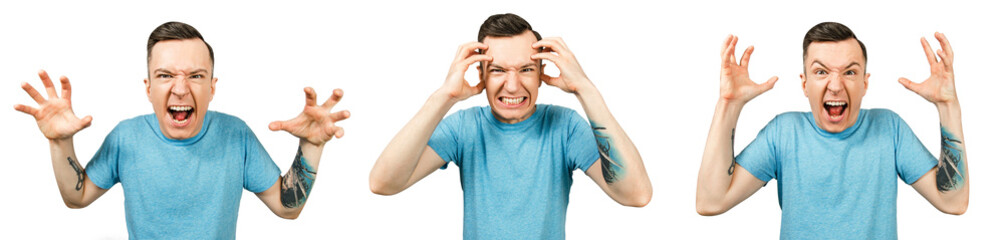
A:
[54, 116]
[456, 85]
[940, 86]
[736, 84]
[316, 124]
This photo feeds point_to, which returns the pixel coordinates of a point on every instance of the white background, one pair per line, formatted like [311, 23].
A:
[655, 63]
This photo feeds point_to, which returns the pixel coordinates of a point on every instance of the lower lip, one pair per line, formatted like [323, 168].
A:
[180, 124]
[518, 105]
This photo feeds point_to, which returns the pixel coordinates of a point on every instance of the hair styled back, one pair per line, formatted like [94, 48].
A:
[829, 32]
[504, 25]
[175, 31]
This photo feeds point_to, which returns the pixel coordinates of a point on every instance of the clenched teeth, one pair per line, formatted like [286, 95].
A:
[180, 108]
[509, 100]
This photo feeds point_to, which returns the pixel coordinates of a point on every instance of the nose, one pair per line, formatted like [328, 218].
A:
[511, 82]
[834, 84]
[179, 86]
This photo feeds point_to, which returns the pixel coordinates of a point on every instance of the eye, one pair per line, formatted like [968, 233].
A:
[850, 73]
[820, 72]
[198, 76]
[527, 70]
[496, 70]
[164, 75]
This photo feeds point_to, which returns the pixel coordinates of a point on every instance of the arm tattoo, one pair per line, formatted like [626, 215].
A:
[732, 168]
[612, 167]
[80, 173]
[297, 183]
[951, 172]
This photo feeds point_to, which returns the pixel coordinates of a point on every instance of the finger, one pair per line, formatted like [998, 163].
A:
[768, 85]
[336, 96]
[549, 80]
[85, 122]
[545, 55]
[931, 59]
[746, 56]
[732, 50]
[947, 47]
[475, 58]
[49, 88]
[552, 45]
[912, 86]
[340, 115]
[479, 87]
[31, 92]
[311, 96]
[64, 82]
[725, 47]
[468, 49]
[339, 132]
[276, 125]
[26, 109]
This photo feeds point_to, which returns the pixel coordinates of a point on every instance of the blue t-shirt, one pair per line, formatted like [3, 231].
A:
[515, 177]
[837, 185]
[183, 189]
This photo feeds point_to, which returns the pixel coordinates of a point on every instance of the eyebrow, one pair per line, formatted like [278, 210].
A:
[824, 65]
[493, 65]
[192, 72]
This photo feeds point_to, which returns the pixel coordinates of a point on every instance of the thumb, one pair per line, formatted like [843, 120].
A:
[275, 126]
[769, 84]
[912, 86]
[86, 121]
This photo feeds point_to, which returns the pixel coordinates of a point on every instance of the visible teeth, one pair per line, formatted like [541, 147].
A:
[509, 100]
[180, 108]
[835, 104]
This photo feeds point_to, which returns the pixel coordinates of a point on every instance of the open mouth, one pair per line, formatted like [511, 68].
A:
[180, 114]
[835, 109]
[512, 101]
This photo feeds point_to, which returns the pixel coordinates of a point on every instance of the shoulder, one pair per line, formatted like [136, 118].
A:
[224, 123]
[880, 113]
[792, 118]
[468, 114]
[559, 112]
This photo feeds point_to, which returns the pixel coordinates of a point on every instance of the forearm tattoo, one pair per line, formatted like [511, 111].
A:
[297, 183]
[610, 161]
[732, 149]
[80, 173]
[951, 170]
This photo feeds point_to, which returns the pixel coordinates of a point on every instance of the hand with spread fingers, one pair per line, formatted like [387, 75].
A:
[55, 115]
[939, 88]
[456, 86]
[736, 85]
[316, 124]
[572, 77]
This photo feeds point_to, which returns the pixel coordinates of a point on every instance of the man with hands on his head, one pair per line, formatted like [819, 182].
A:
[183, 167]
[836, 166]
[515, 157]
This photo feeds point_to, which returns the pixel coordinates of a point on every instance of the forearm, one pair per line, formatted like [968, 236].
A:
[622, 166]
[69, 173]
[952, 173]
[718, 163]
[400, 158]
[299, 180]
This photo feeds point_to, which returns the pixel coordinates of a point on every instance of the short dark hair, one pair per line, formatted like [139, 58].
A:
[175, 31]
[504, 25]
[829, 32]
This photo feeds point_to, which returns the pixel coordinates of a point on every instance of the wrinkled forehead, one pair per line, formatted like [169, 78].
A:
[513, 51]
[180, 55]
[834, 55]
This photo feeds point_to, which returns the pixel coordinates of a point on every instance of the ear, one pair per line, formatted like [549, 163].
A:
[212, 88]
[867, 75]
[147, 83]
[804, 90]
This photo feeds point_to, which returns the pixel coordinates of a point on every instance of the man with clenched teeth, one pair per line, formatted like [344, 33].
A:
[837, 166]
[515, 157]
[183, 167]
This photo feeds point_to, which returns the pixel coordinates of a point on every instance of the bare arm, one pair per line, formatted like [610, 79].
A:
[408, 158]
[620, 171]
[721, 183]
[946, 186]
[315, 126]
[56, 120]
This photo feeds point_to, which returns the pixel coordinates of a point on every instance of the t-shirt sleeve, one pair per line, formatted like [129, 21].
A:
[445, 140]
[581, 147]
[912, 159]
[103, 168]
[260, 172]
[760, 157]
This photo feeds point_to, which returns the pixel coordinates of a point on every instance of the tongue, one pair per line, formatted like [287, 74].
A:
[834, 111]
[180, 115]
